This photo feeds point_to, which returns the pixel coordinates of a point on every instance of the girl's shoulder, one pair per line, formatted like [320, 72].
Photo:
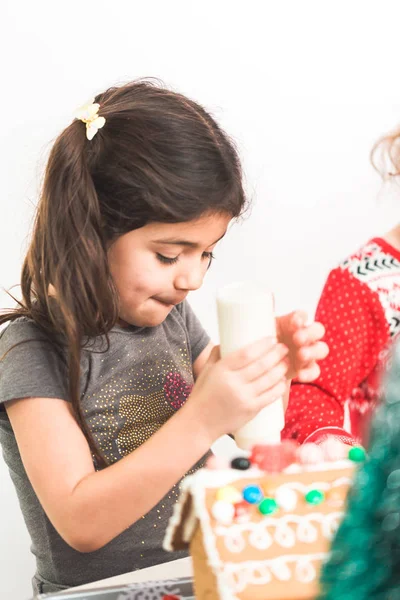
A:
[372, 256]
[20, 328]
[31, 363]
[374, 265]
[19, 331]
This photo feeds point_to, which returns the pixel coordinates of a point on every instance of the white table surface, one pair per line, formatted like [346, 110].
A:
[175, 568]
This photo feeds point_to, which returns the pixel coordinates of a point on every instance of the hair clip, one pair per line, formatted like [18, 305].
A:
[89, 114]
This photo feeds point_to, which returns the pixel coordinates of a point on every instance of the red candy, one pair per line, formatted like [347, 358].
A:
[242, 512]
[274, 457]
[290, 450]
[171, 597]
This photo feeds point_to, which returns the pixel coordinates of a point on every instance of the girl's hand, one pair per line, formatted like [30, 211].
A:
[304, 344]
[232, 390]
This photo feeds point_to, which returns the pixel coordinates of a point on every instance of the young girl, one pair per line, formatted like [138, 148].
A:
[100, 414]
[360, 310]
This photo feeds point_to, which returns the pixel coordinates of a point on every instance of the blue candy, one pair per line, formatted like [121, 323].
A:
[252, 494]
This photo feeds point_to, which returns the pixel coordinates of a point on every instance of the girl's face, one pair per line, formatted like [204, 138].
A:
[155, 267]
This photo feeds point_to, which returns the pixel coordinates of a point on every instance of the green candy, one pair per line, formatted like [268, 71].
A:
[315, 497]
[268, 506]
[357, 454]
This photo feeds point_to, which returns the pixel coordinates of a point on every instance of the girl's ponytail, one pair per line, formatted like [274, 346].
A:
[66, 283]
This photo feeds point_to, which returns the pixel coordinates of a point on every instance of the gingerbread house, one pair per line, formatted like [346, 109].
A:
[256, 532]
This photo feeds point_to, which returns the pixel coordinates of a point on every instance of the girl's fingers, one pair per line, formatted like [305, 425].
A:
[272, 394]
[266, 362]
[299, 319]
[249, 354]
[317, 351]
[309, 374]
[309, 334]
[269, 380]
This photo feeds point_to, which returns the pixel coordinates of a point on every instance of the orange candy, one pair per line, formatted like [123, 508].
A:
[335, 496]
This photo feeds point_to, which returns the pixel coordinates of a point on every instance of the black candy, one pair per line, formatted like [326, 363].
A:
[241, 462]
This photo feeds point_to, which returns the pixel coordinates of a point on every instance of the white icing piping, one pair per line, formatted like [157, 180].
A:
[319, 485]
[209, 539]
[216, 478]
[240, 575]
[261, 538]
[176, 517]
[324, 466]
[194, 485]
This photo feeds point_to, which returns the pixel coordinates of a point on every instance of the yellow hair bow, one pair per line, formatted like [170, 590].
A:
[89, 114]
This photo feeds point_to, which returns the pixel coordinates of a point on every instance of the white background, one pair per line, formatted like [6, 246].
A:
[305, 88]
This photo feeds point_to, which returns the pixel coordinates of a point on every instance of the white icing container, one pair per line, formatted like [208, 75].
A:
[245, 315]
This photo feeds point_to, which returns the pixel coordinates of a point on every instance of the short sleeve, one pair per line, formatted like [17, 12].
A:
[198, 338]
[31, 365]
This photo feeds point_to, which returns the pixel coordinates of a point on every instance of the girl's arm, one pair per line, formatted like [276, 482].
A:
[90, 508]
[202, 359]
[356, 333]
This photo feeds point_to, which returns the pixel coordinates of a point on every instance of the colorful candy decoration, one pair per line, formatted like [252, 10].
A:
[333, 449]
[289, 448]
[223, 512]
[286, 498]
[310, 454]
[268, 506]
[241, 463]
[334, 496]
[314, 497]
[242, 512]
[268, 489]
[229, 494]
[273, 458]
[237, 506]
[252, 494]
[357, 454]
[259, 454]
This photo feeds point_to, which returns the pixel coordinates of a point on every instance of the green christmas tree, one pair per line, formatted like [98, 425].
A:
[365, 554]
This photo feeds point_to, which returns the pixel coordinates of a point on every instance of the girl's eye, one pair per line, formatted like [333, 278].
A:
[165, 260]
[208, 256]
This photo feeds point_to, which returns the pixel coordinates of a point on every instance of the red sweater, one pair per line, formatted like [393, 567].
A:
[360, 309]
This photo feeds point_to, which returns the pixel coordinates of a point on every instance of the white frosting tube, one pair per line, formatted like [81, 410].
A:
[246, 314]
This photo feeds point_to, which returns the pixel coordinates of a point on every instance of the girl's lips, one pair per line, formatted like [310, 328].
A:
[169, 301]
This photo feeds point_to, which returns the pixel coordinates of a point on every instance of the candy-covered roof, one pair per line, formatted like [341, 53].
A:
[302, 491]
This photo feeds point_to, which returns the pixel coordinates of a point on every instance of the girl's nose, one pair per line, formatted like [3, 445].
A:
[190, 279]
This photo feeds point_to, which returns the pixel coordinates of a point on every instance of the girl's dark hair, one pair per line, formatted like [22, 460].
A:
[160, 157]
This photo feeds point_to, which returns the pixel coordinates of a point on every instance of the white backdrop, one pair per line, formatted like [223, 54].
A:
[304, 88]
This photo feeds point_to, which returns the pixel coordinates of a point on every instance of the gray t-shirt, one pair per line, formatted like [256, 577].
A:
[127, 393]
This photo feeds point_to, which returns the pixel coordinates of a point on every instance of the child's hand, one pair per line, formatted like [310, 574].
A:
[304, 344]
[232, 390]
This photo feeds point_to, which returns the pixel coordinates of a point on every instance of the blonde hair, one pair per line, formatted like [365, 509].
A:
[385, 155]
